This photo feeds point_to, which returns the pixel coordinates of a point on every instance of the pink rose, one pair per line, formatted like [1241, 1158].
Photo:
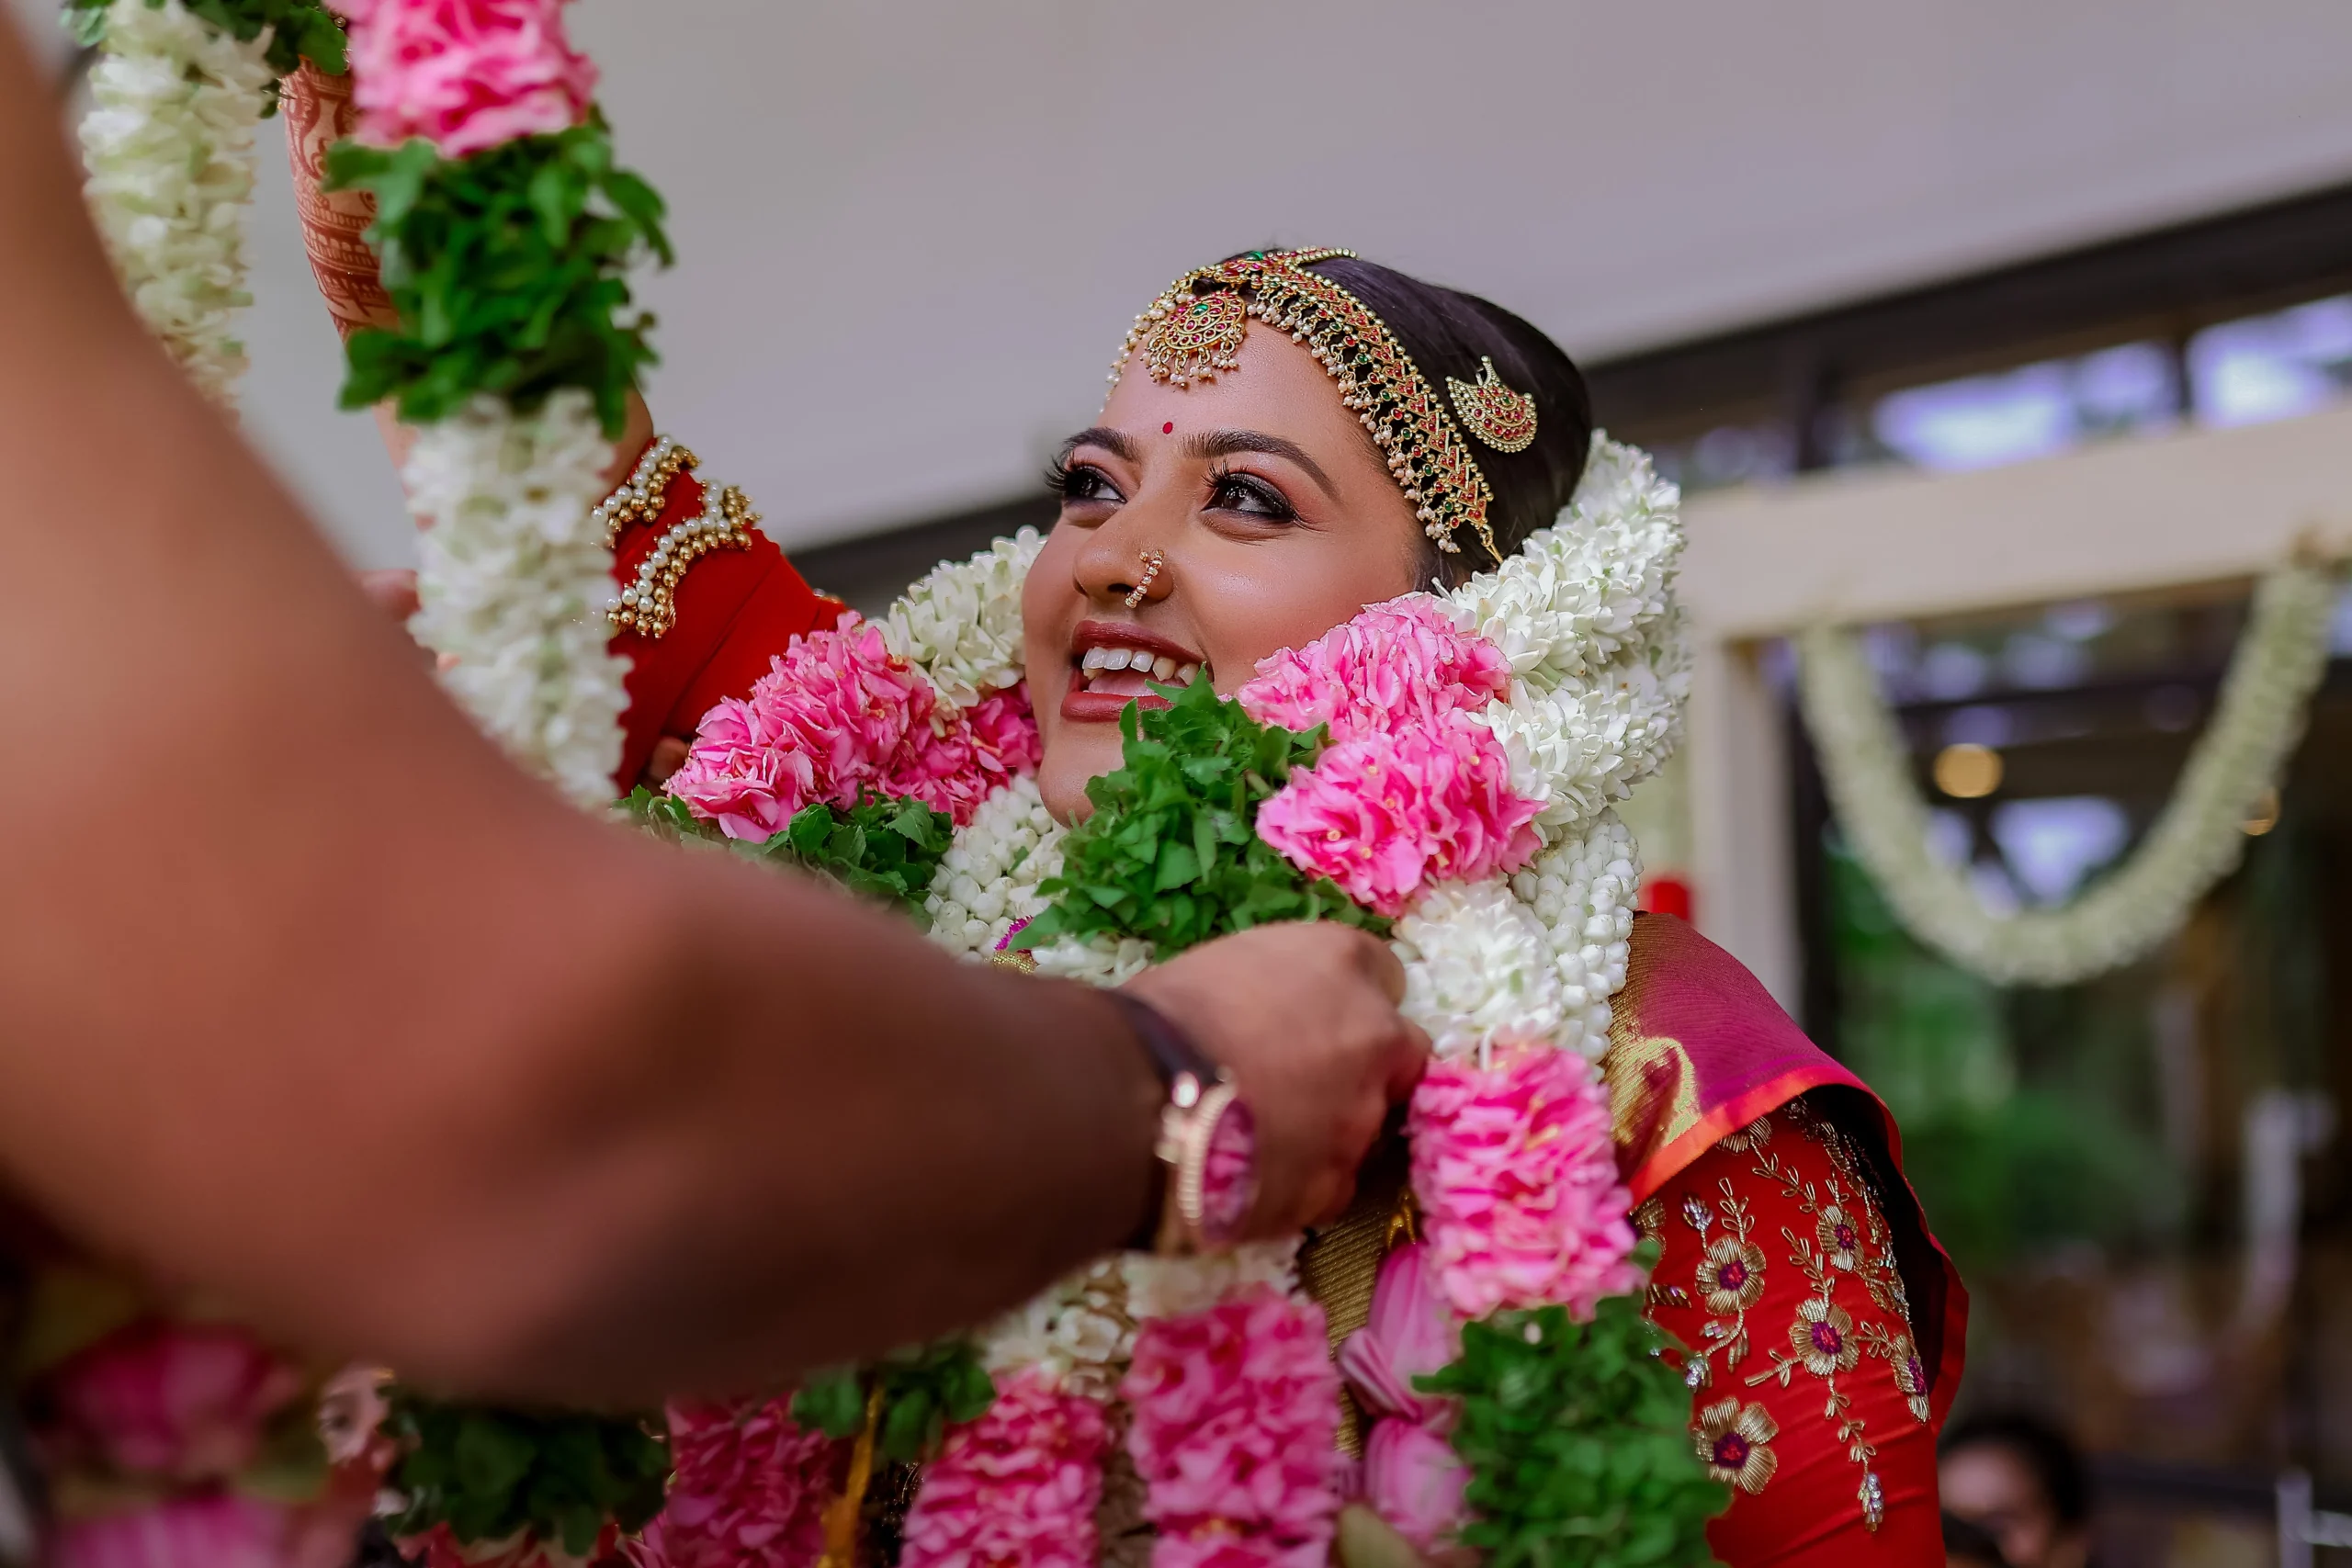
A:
[188, 1401]
[1414, 1480]
[1017, 1488]
[748, 1488]
[1386, 815]
[1396, 665]
[1517, 1179]
[464, 74]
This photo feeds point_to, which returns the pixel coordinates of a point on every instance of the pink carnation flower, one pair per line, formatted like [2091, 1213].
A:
[1004, 733]
[1517, 1179]
[464, 74]
[216, 1529]
[440, 1548]
[1017, 1488]
[748, 1489]
[1236, 1409]
[836, 715]
[1395, 665]
[1386, 814]
[187, 1401]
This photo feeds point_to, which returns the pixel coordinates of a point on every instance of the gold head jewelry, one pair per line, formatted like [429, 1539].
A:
[1196, 328]
[1153, 562]
[1503, 419]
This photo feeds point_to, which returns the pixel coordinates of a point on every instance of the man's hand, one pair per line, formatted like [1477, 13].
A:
[1304, 1018]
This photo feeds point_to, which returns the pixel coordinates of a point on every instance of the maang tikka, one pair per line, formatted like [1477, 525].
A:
[1491, 411]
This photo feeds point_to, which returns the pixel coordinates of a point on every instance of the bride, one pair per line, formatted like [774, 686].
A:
[1289, 438]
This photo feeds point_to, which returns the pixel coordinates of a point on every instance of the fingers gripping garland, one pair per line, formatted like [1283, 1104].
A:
[1501, 721]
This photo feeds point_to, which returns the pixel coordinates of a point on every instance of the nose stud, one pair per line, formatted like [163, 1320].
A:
[1153, 562]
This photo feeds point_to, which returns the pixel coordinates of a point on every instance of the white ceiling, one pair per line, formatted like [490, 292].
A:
[912, 233]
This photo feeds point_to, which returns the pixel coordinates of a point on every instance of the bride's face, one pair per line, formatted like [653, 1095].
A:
[1275, 514]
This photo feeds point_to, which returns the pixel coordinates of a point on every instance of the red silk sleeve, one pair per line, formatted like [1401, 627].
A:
[736, 609]
[1809, 1398]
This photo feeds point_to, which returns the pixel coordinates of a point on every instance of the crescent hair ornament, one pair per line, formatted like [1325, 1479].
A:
[1195, 329]
[1503, 419]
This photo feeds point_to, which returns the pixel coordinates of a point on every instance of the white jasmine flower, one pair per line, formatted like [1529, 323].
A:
[961, 624]
[1170, 1287]
[514, 581]
[1478, 969]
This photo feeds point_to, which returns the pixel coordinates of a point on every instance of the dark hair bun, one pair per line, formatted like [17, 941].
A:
[1450, 333]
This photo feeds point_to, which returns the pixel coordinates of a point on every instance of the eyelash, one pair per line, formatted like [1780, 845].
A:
[1272, 505]
[1076, 483]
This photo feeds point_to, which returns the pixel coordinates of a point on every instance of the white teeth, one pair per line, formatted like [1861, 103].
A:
[1119, 659]
[1163, 667]
[1091, 661]
[1185, 673]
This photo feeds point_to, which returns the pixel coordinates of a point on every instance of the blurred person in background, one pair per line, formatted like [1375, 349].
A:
[2022, 1481]
[1970, 1546]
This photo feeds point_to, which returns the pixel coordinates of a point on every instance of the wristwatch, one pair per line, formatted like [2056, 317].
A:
[1208, 1146]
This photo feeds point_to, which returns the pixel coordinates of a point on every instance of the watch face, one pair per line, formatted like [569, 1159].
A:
[1229, 1175]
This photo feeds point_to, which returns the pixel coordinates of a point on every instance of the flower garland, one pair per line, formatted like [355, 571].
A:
[175, 97]
[504, 227]
[1440, 768]
[2196, 840]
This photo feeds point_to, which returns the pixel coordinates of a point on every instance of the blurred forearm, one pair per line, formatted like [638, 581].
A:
[313, 1001]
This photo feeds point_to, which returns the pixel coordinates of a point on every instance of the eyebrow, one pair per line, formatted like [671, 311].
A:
[1206, 446]
[1117, 443]
[1212, 444]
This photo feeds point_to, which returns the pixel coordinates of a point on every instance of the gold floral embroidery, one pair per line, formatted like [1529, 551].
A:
[1735, 1441]
[1840, 1242]
[1756, 1134]
[1873, 1250]
[1730, 1280]
[1649, 1219]
[1731, 1275]
[1822, 1337]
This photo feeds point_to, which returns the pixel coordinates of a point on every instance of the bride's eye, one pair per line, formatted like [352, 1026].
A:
[1249, 495]
[1081, 484]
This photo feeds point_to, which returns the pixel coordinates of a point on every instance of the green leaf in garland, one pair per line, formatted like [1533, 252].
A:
[882, 848]
[507, 269]
[1577, 1440]
[488, 1473]
[924, 1390]
[1171, 854]
[299, 31]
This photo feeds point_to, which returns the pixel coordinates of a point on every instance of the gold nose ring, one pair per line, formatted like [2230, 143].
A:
[1153, 562]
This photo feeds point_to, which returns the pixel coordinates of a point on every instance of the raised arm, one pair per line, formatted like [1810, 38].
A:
[379, 1043]
[318, 112]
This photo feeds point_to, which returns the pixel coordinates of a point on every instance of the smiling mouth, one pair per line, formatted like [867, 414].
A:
[1113, 665]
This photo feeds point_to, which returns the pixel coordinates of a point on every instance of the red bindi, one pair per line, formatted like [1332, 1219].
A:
[1167, 429]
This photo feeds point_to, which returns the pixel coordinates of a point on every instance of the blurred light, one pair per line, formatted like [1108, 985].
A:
[2274, 366]
[2053, 844]
[2043, 663]
[1951, 670]
[1968, 771]
[1982, 725]
[1981, 421]
[2081, 621]
[2265, 815]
